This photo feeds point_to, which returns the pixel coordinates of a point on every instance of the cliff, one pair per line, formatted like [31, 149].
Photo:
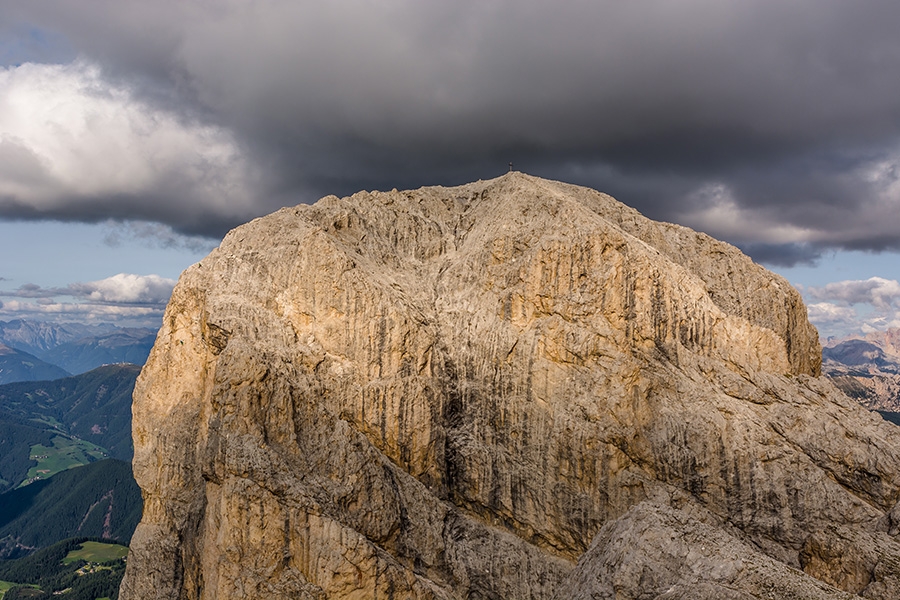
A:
[515, 388]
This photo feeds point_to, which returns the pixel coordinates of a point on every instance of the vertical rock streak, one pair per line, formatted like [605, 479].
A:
[495, 391]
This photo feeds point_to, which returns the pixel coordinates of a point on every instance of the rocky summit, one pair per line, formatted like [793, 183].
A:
[511, 389]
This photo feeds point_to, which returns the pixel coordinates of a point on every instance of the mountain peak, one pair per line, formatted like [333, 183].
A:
[514, 388]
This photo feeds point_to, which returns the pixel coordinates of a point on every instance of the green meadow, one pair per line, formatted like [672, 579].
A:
[65, 453]
[96, 552]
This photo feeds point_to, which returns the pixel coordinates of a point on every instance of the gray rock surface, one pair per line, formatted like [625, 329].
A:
[515, 388]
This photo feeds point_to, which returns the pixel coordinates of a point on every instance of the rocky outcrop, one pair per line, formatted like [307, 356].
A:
[510, 389]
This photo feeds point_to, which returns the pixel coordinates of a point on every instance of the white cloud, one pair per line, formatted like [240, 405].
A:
[142, 316]
[73, 142]
[834, 321]
[825, 313]
[881, 323]
[877, 291]
[124, 299]
[75, 308]
[854, 306]
[126, 289]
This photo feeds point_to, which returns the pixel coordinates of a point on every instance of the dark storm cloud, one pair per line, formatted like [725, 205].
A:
[771, 124]
[783, 255]
[155, 235]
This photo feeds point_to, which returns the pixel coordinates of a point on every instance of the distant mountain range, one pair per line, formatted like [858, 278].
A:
[866, 368]
[36, 350]
[37, 337]
[16, 365]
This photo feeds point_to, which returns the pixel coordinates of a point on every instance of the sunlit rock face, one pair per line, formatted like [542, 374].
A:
[514, 388]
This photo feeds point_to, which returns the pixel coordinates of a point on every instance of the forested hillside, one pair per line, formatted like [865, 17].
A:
[18, 436]
[98, 500]
[49, 426]
[94, 406]
[16, 365]
[56, 571]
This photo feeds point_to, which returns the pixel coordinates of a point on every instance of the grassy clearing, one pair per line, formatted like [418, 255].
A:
[65, 453]
[6, 585]
[96, 552]
[48, 420]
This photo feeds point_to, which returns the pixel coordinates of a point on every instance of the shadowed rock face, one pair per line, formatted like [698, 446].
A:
[510, 389]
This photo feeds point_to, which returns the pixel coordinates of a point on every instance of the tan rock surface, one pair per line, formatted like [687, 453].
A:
[450, 392]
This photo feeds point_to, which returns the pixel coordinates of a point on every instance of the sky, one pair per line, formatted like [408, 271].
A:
[134, 135]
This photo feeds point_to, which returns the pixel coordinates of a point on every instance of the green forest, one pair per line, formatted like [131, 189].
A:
[48, 426]
[59, 568]
[97, 500]
[58, 482]
[17, 436]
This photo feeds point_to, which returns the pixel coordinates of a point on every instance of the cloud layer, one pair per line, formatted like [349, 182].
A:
[877, 291]
[124, 298]
[854, 306]
[126, 289]
[73, 144]
[775, 125]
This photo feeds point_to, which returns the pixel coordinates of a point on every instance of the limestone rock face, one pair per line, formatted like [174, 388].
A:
[510, 389]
